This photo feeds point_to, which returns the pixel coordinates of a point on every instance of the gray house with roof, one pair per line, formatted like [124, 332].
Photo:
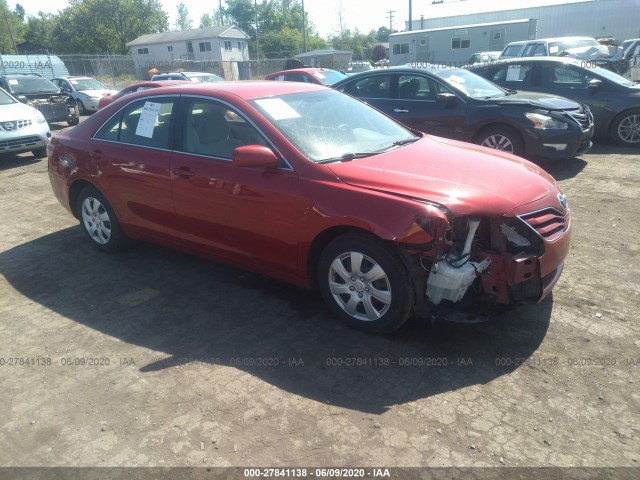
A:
[219, 50]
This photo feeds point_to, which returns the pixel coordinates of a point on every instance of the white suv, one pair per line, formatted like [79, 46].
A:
[202, 77]
[22, 128]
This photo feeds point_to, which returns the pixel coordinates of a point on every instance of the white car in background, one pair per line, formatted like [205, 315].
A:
[22, 128]
[86, 90]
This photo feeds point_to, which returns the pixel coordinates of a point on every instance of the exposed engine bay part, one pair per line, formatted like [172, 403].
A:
[450, 277]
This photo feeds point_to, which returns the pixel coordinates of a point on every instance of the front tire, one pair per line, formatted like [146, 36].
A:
[73, 122]
[99, 221]
[505, 139]
[39, 152]
[365, 284]
[625, 130]
[81, 109]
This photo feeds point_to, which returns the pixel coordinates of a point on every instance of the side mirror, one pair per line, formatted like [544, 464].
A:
[594, 84]
[255, 156]
[22, 99]
[446, 98]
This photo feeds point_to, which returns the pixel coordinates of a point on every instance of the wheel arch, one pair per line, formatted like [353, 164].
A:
[325, 237]
[616, 118]
[497, 124]
[74, 190]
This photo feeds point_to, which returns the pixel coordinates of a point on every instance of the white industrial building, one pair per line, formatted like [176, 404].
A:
[591, 18]
[619, 19]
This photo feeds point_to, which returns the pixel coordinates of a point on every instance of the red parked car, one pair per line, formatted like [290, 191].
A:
[309, 185]
[319, 76]
[136, 87]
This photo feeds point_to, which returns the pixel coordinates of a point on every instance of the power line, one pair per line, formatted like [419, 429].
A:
[390, 17]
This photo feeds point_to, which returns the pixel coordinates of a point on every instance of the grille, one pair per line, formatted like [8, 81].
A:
[13, 125]
[548, 223]
[19, 142]
[583, 116]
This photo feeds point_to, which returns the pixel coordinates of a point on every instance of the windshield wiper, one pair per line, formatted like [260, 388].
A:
[398, 143]
[348, 156]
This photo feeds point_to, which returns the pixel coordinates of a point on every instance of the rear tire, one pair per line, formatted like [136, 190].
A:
[365, 284]
[625, 129]
[503, 138]
[99, 221]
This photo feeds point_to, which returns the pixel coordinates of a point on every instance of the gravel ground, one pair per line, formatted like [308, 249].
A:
[156, 358]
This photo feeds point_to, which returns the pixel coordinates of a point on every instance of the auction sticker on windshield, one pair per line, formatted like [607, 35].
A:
[278, 109]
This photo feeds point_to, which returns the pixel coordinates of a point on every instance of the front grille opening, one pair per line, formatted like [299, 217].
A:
[548, 223]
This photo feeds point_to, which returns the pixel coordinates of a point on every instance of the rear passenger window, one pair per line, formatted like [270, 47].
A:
[145, 122]
[374, 86]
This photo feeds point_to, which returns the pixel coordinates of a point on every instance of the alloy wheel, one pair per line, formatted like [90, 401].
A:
[498, 142]
[96, 220]
[360, 286]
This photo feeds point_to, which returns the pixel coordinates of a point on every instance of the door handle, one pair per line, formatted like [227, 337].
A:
[183, 172]
[400, 110]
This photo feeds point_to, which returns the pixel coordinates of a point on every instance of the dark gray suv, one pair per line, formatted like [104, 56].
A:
[41, 94]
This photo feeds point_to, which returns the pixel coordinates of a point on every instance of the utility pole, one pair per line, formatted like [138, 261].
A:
[410, 15]
[304, 30]
[390, 17]
[255, 6]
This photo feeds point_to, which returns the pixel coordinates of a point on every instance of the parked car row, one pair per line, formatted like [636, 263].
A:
[311, 186]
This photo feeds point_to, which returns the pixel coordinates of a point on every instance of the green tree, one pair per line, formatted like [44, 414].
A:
[279, 26]
[40, 29]
[382, 35]
[206, 20]
[12, 30]
[359, 43]
[19, 12]
[99, 26]
[183, 22]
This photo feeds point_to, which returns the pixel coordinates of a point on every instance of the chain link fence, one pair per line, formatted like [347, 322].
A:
[117, 71]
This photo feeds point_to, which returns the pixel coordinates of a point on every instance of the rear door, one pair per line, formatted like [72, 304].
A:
[131, 154]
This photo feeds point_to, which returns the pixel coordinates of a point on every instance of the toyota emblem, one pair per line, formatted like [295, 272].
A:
[562, 198]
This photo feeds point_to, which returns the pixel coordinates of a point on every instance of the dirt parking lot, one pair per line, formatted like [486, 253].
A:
[156, 358]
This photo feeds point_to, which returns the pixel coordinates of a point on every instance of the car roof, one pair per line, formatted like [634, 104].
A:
[246, 90]
[571, 60]
[303, 70]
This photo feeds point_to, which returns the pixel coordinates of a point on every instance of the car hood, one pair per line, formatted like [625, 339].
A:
[16, 111]
[539, 100]
[467, 179]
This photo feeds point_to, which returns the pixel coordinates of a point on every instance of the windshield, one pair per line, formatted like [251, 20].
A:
[5, 98]
[329, 77]
[31, 85]
[87, 84]
[471, 84]
[614, 77]
[328, 125]
[557, 47]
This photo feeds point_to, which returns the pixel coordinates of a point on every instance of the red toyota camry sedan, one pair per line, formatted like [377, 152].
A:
[311, 186]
